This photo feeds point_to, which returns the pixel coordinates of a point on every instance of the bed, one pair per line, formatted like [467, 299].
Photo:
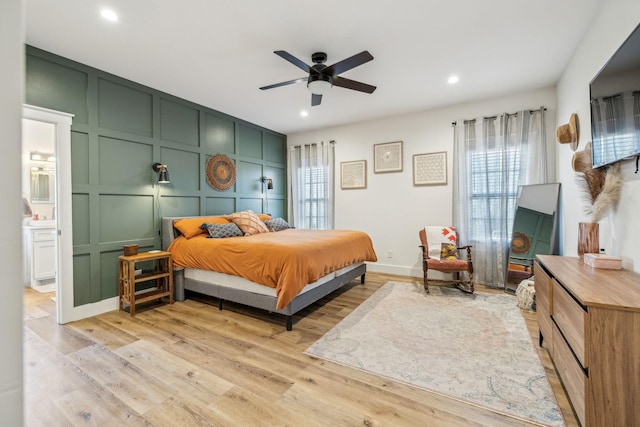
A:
[276, 278]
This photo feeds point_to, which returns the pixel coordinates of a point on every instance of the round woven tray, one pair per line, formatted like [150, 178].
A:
[221, 172]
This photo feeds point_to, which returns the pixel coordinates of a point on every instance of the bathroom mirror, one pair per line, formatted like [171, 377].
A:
[42, 189]
[534, 230]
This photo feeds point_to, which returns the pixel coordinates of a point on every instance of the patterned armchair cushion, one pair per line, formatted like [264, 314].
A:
[448, 251]
[436, 236]
[220, 231]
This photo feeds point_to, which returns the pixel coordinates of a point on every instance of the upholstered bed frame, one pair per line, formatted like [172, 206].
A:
[242, 291]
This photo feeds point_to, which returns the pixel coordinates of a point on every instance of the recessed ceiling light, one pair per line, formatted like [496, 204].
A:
[109, 15]
[453, 80]
[304, 113]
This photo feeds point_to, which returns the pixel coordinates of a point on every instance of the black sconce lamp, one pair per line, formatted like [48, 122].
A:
[163, 174]
[269, 182]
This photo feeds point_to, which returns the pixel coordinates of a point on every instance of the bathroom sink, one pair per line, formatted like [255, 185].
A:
[43, 223]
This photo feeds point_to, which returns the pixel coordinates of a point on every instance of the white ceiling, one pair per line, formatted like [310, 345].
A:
[218, 53]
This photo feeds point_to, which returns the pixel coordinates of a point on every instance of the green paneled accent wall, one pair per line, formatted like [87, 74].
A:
[119, 130]
[219, 134]
[124, 108]
[179, 123]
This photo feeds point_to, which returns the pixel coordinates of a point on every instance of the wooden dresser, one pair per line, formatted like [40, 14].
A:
[589, 320]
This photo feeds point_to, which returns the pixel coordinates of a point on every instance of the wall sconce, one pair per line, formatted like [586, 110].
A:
[269, 183]
[163, 174]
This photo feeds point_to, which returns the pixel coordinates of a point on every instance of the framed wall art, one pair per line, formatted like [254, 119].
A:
[387, 157]
[353, 175]
[430, 168]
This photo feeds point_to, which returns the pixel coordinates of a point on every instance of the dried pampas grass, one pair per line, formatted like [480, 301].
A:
[602, 189]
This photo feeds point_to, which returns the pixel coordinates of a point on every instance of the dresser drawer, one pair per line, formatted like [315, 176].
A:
[542, 284]
[570, 318]
[571, 373]
[543, 304]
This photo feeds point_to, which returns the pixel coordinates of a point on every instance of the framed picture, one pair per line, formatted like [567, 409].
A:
[430, 168]
[387, 157]
[353, 175]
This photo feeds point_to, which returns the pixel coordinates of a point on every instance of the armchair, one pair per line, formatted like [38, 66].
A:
[443, 256]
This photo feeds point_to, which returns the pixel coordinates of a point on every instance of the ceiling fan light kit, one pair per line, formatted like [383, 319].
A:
[321, 78]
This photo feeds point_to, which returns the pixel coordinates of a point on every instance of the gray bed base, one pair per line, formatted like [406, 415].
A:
[264, 302]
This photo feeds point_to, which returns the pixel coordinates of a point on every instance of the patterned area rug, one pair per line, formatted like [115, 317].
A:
[475, 348]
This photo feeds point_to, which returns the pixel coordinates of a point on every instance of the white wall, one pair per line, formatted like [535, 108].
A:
[391, 210]
[11, 88]
[620, 232]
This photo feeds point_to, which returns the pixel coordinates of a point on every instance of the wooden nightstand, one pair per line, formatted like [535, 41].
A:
[162, 274]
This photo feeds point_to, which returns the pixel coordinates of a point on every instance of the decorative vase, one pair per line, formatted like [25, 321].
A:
[588, 238]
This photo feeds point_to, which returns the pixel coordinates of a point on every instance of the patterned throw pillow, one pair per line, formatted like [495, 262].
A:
[220, 231]
[448, 251]
[248, 222]
[276, 224]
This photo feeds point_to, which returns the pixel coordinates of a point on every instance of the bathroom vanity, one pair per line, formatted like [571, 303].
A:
[39, 252]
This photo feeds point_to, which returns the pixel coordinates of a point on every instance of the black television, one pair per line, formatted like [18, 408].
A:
[615, 105]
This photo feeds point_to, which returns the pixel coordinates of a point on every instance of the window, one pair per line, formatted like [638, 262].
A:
[311, 170]
[491, 190]
[315, 198]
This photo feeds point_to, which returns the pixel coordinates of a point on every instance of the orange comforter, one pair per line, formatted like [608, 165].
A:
[286, 260]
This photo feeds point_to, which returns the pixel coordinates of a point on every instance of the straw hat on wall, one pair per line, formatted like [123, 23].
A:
[569, 133]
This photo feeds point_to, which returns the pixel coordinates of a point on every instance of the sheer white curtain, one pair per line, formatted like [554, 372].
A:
[310, 174]
[493, 156]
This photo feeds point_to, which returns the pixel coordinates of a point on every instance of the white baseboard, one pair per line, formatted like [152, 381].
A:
[397, 270]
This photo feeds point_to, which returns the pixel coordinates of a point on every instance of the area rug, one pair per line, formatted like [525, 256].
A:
[474, 348]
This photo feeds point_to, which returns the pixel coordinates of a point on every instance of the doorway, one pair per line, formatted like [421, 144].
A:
[47, 202]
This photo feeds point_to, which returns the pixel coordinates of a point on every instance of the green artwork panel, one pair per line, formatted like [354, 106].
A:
[124, 218]
[81, 279]
[274, 148]
[183, 168]
[179, 123]
[179, 206]
[219, 134]
[124, 108]
[278, 177]
[51, 85]
[109, 274]
[252, 204]
[80, 219]
[250, 142]
[248, 178]
[220, 205]
[79, 158]
[125, 163]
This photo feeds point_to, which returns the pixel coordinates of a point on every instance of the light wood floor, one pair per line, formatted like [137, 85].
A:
[190, 364]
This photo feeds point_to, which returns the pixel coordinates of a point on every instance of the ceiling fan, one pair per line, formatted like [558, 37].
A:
[322, 77]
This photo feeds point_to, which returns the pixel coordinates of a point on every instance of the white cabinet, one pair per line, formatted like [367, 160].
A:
[40, 254]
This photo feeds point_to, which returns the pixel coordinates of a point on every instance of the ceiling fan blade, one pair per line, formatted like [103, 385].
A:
[315, 99]
[349, 63]
[295, 61]
[290, 82]
[352, 84]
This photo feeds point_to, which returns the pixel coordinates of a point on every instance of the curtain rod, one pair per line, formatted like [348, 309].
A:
[292, 147]
[495, 117]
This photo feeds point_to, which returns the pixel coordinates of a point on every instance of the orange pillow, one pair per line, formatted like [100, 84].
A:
[248, 222]
[190, 227]
[264, 217]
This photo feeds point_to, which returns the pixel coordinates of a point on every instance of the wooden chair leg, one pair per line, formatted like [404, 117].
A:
[426, 281]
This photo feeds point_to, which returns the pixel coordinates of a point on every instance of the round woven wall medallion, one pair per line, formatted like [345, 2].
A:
[520, 244]
[221, 172]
